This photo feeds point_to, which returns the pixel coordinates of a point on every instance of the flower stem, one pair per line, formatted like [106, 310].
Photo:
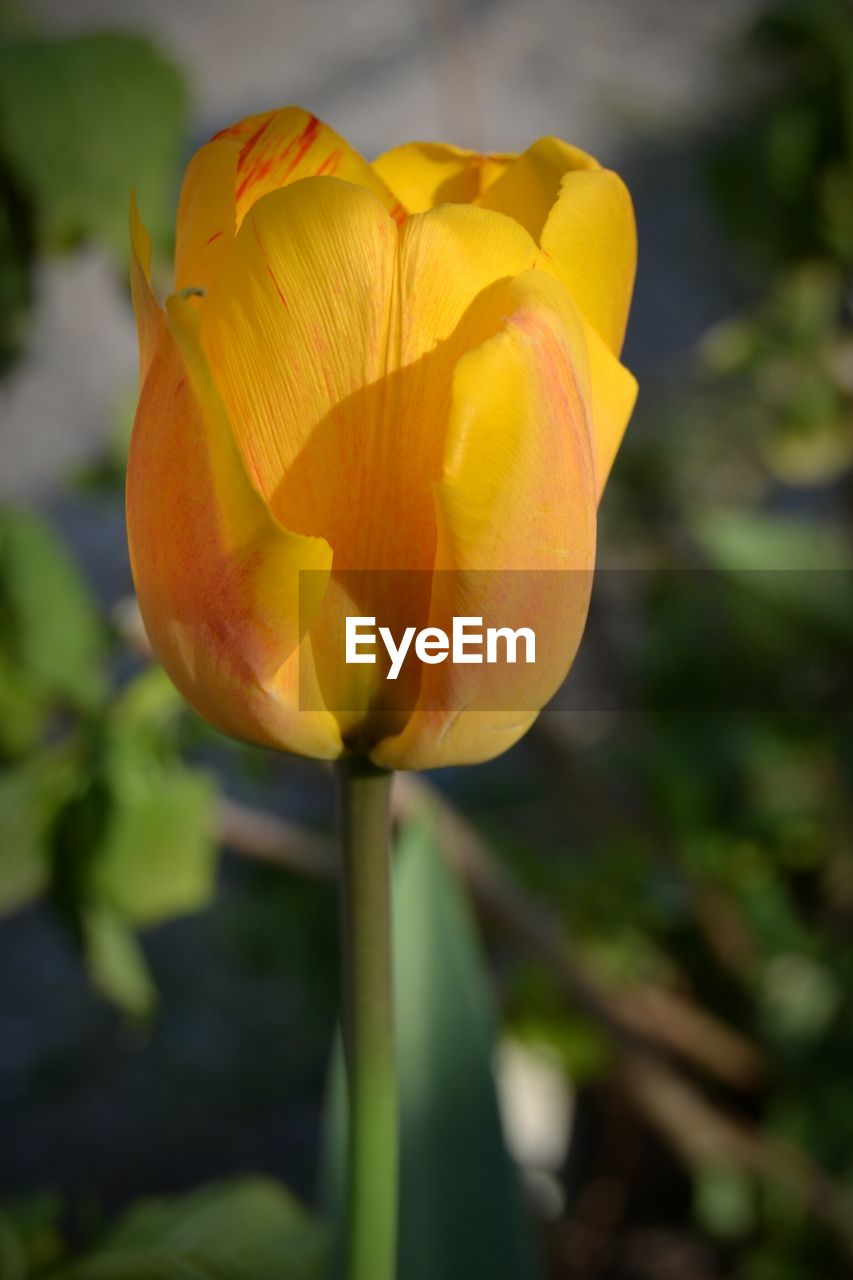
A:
[364, 794]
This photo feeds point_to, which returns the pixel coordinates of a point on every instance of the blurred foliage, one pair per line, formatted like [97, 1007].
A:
[96, 807]
[784, 178]
[793, 357]
[83, 121]
[245, 1229]
[456, 1176]
[694, 833]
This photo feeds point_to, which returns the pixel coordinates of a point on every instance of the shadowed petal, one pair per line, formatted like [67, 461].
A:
[516, 513]
[425, 174]
[216, 576]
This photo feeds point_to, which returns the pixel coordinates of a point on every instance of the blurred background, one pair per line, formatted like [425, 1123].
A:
[626, 961]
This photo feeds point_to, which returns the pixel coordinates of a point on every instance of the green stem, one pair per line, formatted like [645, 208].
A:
[364, 794]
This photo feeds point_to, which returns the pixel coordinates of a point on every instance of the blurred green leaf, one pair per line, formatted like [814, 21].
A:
[29, 1235]
[157, 858]
[247, 1229]
[29, 797]
[22, 706]
[149, 706]
[85, 120]
[460, 1203]
[49, 626]
[724, 1201]
[115, 962]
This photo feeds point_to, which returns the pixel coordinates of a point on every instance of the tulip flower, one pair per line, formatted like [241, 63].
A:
[380, 394]
[407, 368]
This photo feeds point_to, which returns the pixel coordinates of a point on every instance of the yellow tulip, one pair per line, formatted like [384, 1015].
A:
[406, 369]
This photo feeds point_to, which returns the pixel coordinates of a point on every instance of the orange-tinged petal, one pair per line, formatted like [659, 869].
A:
[589, 241]
[280, 147]
[425, 174]
[216, 576]
[528, 188]
[207, 213]
[516, 516]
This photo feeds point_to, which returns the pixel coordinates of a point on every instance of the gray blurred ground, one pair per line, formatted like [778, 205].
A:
[631, 80]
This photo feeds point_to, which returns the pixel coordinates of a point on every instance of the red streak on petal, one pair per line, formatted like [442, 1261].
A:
[303, 143]
[269, 269]
[215, 236]
[330, 164]
[277, 286]
[250, 143]
[399, 214]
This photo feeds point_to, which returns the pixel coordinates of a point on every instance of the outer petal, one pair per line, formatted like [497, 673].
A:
[516, 513]
[528, 188]
[279, 147]
[207, 213]
[589, 241]
[239, 166]
[613, 394]
[217, 578]
[297, 322]
[425, 174]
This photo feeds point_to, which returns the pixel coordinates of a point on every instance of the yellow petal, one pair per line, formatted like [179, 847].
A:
[297, 323]
[516, 513]
[216, 576]
[589, 241]
[280, 147]
[527, 190]
[425, 174]
[207, 213]
[613, 394]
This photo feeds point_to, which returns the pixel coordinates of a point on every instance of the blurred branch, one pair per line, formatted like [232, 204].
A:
[702, 1133]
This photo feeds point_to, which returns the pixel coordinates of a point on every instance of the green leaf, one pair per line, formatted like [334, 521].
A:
[49, 626]
[116, 964]
[724, 1201]
[29, 1234]
[157, 858]
[461, 1213]
[85, 120]
[29, 797]
[246, 1229]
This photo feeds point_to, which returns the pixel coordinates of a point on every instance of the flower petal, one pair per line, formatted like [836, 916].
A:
[589, 241]
[528, 188]
[280, 147]
[516, 515]
[296, 323]
[216, 576]
[425, 174]
[613, 394]
[207, 213]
